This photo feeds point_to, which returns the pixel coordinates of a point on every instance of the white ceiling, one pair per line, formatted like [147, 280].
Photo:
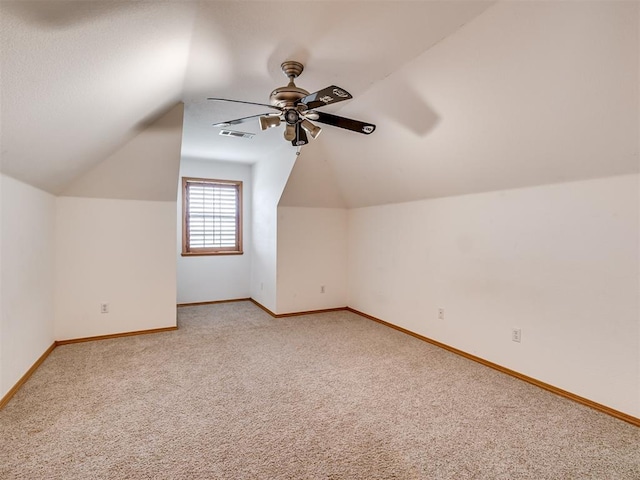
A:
[467, 96]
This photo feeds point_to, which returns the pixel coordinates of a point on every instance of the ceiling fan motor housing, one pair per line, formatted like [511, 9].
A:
[287, 96]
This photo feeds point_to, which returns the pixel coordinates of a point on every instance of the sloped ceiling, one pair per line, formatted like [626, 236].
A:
[80, 79]
[467, 96]
[528, 93]
[144, 168]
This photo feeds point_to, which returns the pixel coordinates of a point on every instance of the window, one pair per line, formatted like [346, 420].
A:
[211, 217]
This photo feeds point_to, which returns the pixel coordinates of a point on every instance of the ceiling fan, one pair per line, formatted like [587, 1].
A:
[296, 108]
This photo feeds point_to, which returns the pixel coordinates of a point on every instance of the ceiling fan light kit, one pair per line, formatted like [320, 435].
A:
[269, 122]
[310, 128]
[290, 133]
[296, 108]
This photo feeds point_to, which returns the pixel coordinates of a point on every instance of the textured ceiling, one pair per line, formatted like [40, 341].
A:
[467, 96]
[79, 79]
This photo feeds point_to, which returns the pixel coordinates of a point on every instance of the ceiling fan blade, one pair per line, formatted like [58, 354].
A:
[301, 137]
[240, 120]
[326, 96]
[242, 101]
[346, 123]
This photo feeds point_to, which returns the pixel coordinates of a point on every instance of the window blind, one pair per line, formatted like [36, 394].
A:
[212, 216]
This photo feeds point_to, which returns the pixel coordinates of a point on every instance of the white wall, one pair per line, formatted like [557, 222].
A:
[312, 252]
[26, 287]
[216, 277]
[269, 178]
[117, 251]
[116, 240]
[558, 261]
[312, 182]
[638, 140]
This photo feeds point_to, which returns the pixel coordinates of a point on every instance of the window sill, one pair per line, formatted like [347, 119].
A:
[200, 254]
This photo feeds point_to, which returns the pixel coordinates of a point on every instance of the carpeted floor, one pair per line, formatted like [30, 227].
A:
[236, 394]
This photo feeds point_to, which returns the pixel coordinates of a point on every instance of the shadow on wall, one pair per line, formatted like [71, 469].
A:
[408, 108]
[62, 15]
[161, 118]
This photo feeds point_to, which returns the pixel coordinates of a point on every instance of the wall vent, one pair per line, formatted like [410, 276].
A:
[233, 133]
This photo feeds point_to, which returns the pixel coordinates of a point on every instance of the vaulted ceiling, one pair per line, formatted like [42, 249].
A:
[467, 96]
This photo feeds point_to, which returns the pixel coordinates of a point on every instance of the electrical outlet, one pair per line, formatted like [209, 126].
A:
[104, 308]
[261, 286]
[441, 314]
[516, 335]
[321, 288]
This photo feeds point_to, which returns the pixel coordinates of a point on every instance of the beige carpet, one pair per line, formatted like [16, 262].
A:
[236, 394]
